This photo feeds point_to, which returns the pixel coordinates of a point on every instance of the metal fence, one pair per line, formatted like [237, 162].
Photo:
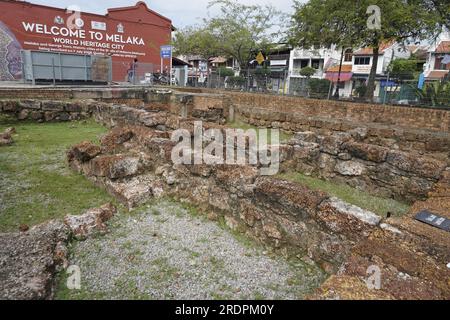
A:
[250, 80]
[402, 89]
[135, 73]
[38, 66]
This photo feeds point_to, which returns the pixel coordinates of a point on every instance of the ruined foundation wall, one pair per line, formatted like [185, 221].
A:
[400, 128]
[400, 116]
[346, 158]
[286, 216]
[351, 157]
[134, 164]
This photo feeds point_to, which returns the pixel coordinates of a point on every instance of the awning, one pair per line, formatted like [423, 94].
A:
[334, 76]
[436, 74]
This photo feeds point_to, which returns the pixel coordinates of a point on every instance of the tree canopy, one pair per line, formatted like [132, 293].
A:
[363, 23]
[403, 69]
[239, 31]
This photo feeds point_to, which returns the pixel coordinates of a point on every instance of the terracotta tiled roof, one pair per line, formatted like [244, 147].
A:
[218, 60]
[345, 68]
[437, 74]
[369, 51]
[444, 47]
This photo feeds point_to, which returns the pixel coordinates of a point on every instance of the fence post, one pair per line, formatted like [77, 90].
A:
[330, 90]
[385, 88]
[23, 67]
[53, 71]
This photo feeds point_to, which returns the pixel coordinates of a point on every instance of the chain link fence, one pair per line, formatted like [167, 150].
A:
[251, 80]
[399, 89]
[135, 73]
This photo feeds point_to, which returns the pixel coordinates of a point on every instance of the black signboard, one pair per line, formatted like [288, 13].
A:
[434, 220]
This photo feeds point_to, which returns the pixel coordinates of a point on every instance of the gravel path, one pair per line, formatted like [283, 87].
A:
[167, 252]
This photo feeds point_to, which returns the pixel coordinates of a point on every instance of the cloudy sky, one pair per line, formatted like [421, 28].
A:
[182, 12]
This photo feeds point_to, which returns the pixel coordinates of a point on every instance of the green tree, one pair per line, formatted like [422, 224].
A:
[318, 88]
[195, 40]
[225, 72]
[441, 8]
[239, 31]
[403, 69]
[359, 23]
[307, 72]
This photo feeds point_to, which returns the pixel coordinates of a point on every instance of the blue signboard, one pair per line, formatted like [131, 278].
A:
[421, 81]
[166, 52]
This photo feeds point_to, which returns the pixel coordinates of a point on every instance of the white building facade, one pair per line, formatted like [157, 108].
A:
[355, 69]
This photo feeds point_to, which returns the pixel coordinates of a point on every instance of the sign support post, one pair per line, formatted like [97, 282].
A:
[166, 53]
[170, 70]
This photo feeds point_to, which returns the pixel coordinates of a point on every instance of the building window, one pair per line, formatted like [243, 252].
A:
[348, 55]
[315, 64]
[362, 60]
[301, 63]
[439, 65]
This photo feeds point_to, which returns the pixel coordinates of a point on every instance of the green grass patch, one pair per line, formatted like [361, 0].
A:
[378, 205]
[36, 184]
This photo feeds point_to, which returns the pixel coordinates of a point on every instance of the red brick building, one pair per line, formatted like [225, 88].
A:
[124, 33]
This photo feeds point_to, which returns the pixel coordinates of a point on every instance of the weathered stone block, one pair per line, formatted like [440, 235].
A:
[346, 219]
[23, 115]
[307, 151]
[350, 168]
[53, 106]
[30, 261]
[36, 115]
[83, 152]
[64, 116]
[29, 104]
[152, 119]
[116, 137]
[50, 116]
[332, 144]
[73, 107]
[91, 222]
[422, 166]
[291, 198]
[116, 166]
[367, 151]
[307, 136]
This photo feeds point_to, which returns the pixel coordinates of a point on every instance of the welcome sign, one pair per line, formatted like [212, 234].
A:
[76, 39]
[124, 33]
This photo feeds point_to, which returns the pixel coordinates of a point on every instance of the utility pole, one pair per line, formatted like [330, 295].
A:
[336, 95]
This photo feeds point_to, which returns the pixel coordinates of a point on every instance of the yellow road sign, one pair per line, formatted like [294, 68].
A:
[260, 58]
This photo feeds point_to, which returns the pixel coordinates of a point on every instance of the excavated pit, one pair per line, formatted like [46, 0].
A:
[133, 162]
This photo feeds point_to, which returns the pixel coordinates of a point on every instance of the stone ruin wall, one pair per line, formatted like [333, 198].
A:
[401, 116]
[132, 164]
[346, 158]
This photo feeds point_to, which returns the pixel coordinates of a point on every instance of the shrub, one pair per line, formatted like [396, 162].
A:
[307, 72]
[361, 91]
[236, 81]
[318, 88]
[225, 72]
[262, 72]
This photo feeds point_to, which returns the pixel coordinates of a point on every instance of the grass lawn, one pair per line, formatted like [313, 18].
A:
[378, 205]
[36, 184]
